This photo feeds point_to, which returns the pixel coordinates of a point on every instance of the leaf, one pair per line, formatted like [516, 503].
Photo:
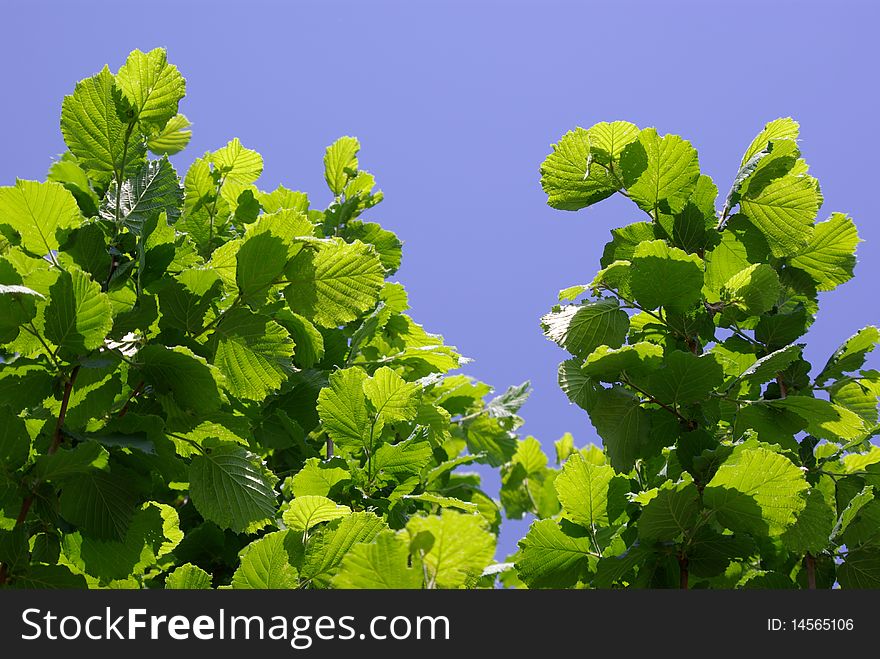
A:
[813, 528]
[757, 491]
[231, 487]
[486, 435]
[584, 492]
[852, 510]
[407, 457]
[237, 164]
[685, 378]
[581, 329]
[830, 255]
[608, 140]
[46, 577]
[673, 512]
[850, 356]
[580, 388]
[188, 577]
[784, 211]
[180, 375]
[173, 138]
[339, 157]
[860, 569]
[330, 543]
[462, 547]
[824, 420]
[267, 564]
[754, 289]
[94, 127]
[101, 503]
[388, 245]
[306, 511]
[779, 129]
[83, 458]
[152, 86]
[78, 316]
[507, 404]
[342, 408]
[623, 425]
[607, 364]
[336, 283]
[155, 190]
[186, 299]
[383, 563]
[551, 558]
[392, 398]
[254, 353]
[663, 276]
[768, 366]
[660, 172]
[319, 478]
[15, 443]
[570, 178]
[37, 211]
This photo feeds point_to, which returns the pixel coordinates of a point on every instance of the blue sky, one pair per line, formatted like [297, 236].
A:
[456, 104]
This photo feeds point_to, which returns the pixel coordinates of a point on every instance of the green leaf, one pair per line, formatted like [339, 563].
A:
[319, 478]
[383, 563]
[607, 364]
[173, 138]
[813, 528]
[267, 563]
[686, 378]
[664, 276]
[154, 533]
[824, 420]
[94, 126]
[767, 367]
[46, 577]
[784, 128]
[78, 316]
[551, 558]
[340, 161]
[850, 356]
[330, 543]
[860, 569]
[757, 491]
[155, 190]
[586, 494]
[17, 307]
[37, 211]
[852, 510]
[178, 375]
[608, 140]
[101, 503]
[581, 329]
[660, 172]
[462, 547]
[336, 283]
[580, 388]
[342, 407]
[830, 255]
[81, 459]
[237, 164]
[254, 353]
[486, 435]
[306, 511]
[152, 86]
[392, 398]
[623, 425]
[754, 289]
[569, 176]
[741, 245]
[15, 443]
[784, 211]
[387, 244]
[407, 457]
[188, 577]
[673, 512]
[186, 299]
[231, 487]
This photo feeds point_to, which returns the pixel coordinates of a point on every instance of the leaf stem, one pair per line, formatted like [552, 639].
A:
[653, 400]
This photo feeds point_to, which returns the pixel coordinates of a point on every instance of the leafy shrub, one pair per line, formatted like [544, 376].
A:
[208, 384]
[725, 462]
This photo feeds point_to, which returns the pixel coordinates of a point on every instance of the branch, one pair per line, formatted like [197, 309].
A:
[65, 401]
[651, 399]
